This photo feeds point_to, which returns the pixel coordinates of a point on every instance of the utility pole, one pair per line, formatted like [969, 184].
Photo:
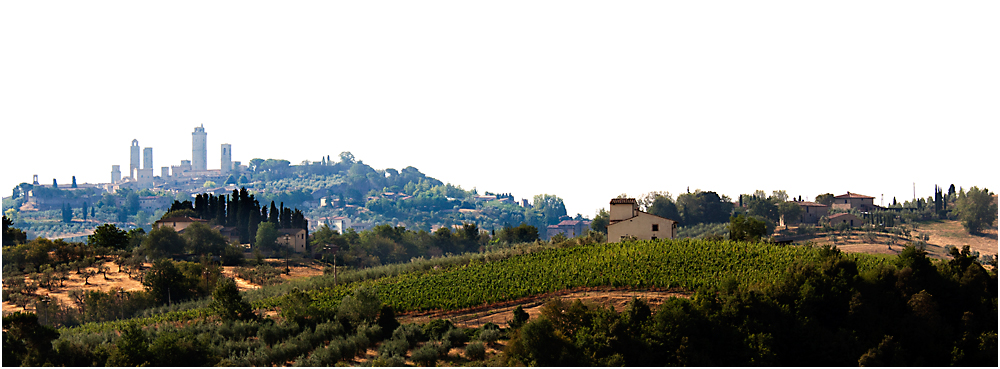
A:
[333, 249]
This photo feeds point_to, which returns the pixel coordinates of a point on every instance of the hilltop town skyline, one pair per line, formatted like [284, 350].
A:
[671, 97]
[214, 165]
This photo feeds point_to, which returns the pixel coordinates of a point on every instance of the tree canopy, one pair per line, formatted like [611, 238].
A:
[976, 209]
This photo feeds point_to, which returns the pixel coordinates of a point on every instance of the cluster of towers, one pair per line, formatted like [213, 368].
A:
[197, 166]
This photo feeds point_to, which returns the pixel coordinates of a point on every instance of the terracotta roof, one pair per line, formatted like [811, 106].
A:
[658, 216]
[571, 222]
[850, 195]
[623, 201]
[181, 219]
[810, 203]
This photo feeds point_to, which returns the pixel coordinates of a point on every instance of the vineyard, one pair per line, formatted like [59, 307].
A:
[686, 264]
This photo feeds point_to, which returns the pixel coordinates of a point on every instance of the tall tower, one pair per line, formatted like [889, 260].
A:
[116, 174]
[133, 166]
[227, 158]
[147, 158]
[199, 150]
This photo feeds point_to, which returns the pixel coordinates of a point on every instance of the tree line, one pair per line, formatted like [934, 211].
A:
[385, 244]
[240, 210]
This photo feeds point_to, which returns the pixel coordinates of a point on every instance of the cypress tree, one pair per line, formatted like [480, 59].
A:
[232, 214]
[253, 223]
[198, 208]
[210, 211]
[74, 182]
[273, 216]
[286, 217]
[67, 213]
[246, 205]
[220, 210]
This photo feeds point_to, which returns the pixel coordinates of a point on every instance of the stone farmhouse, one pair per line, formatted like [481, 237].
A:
[845, 218]
[811, 212]
[569, 228]
[177, 223]
[854, 201]
[628, 221]
[293, 238]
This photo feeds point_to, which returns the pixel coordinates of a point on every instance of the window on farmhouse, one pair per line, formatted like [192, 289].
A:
[656, 227]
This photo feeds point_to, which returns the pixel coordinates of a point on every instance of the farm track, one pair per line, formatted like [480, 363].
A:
[500, 312]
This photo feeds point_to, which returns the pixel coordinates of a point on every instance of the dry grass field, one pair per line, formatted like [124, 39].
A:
[942, 234]
[116, 280]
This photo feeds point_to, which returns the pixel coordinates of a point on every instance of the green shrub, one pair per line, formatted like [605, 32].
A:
[394, 361]
[411, 333]
[427, 354]
[437, 328]
[455, 337]
[475, 351]
[394, 347]
[489, 336]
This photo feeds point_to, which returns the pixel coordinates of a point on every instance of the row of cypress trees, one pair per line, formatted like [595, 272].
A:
[243, 211]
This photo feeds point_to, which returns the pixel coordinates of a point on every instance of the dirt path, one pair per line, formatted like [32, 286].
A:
[500, 313]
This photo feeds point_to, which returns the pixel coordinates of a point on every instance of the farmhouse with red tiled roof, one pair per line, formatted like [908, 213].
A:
[854, 201]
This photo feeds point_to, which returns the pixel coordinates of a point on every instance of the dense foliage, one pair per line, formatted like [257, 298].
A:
[825, 312]
[977, 209]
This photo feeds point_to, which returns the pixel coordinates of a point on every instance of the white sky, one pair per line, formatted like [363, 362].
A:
[582, 99]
